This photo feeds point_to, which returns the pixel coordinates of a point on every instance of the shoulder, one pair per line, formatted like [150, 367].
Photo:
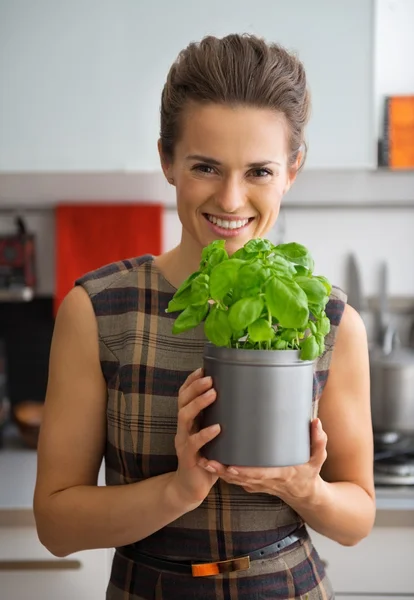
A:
[112, 275]
[336, 305]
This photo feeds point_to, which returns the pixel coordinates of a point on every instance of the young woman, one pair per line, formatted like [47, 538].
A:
[122, 387]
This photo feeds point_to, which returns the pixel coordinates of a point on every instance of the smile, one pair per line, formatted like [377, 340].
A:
[230, 224]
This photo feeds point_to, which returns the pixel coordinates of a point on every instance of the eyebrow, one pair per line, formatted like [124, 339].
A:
[216, 163]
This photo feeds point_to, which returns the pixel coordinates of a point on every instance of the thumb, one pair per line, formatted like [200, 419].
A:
[318, 443]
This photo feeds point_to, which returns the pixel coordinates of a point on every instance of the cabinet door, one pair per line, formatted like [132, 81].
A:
[81, 82]
[28, 570]
[380, 564]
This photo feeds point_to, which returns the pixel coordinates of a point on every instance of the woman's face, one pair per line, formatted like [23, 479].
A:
[231, 171]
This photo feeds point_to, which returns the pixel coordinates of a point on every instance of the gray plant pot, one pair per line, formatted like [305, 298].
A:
[264, 407]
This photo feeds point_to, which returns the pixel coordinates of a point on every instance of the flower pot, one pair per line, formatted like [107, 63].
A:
[264, 406]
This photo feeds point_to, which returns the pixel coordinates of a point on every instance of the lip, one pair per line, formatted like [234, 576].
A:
[227, 233]
[227, 217]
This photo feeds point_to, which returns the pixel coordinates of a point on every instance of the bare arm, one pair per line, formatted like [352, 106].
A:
[71, 512]
[343, 505]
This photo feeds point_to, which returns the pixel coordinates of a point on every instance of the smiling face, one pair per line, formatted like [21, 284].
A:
[231, 171]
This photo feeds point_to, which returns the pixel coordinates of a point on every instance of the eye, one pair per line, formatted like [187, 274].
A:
[260, 173]
[207, 169]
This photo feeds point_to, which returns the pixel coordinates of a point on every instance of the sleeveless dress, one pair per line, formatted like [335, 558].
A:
[144, 365]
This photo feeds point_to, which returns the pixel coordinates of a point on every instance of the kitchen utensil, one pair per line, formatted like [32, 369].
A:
[355, 296]
[383, 306]
[392, 373]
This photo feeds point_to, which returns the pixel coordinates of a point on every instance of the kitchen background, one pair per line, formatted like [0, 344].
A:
[80, 85]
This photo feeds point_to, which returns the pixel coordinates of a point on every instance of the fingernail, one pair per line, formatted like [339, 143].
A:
[210, 469]
[319, 426]
[232, 471]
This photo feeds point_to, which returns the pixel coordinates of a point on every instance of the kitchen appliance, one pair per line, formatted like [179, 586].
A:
[17, 261]
[392, 376]
[393, 459]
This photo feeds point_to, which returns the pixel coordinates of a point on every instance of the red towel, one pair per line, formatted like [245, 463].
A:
[89, 236]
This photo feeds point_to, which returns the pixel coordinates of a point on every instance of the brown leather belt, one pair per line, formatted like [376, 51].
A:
[213, 568]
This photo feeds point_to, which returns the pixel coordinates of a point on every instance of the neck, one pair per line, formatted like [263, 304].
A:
[180, 262]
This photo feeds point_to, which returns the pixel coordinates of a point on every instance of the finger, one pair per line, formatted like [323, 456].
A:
[256, 473]
[192, 377]
[196, 388]
[190, 412]
[319, 440]
[202, 437]
[220, 469]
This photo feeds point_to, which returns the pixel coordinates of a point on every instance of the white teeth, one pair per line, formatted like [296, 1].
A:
[228, 224]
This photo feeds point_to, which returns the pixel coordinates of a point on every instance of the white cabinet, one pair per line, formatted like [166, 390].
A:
[381, 564]
[28, 570]
[394, 49]
[80, 83]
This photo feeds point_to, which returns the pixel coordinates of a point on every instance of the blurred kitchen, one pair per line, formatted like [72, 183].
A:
[80, 87]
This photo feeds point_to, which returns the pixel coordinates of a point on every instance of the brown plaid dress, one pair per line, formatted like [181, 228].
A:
[144, 366]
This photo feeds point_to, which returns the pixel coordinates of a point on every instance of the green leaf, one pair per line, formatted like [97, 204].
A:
[180, 301]
[251, 277]
[281, 265]
[223, 277]
[287, 302]
[190, 318]
[289, 335]
[326, 283]
[313, 288]
[297, 254]
[258, 245]
[237, 335]
[320, 339]
[240, 254]
[181, 298]
[312, 326]
[244, 312]
[208, 250]
[212, 255]
[200, 291]
[279, 344]
[261, 331]
[309, 348]
[217, 327]
[302, 271]
[324, 325]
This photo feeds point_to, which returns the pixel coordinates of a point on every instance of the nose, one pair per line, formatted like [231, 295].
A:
[230, 197]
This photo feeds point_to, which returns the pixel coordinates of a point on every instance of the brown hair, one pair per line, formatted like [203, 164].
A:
[236, 70]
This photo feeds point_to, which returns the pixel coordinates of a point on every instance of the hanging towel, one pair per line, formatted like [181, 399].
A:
[89, 236]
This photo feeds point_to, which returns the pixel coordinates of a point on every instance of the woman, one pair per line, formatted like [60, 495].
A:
[232, 136]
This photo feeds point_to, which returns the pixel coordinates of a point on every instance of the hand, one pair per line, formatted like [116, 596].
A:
[288, 483]
[192, 482]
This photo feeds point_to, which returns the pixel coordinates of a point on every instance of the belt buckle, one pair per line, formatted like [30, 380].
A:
[222, 566]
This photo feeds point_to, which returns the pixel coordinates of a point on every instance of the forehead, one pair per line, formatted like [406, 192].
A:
[223, 131]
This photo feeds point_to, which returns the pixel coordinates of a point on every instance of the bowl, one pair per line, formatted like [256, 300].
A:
[28, 417]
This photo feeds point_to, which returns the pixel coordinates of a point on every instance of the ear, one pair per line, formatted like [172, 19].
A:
[293, 171]
[166, 164]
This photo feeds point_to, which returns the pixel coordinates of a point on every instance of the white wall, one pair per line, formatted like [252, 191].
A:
[80, 80]
[394, 51]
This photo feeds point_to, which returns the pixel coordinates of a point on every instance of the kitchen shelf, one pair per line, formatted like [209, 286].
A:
[17, 295]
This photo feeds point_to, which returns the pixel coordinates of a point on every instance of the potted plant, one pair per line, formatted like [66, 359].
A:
[264, 318]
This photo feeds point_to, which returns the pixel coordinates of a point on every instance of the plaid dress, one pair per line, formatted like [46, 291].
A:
[144, 365]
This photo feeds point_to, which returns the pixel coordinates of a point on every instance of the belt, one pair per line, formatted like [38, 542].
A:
[213, 568]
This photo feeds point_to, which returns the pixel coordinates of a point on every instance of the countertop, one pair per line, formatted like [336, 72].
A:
[18, 475]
